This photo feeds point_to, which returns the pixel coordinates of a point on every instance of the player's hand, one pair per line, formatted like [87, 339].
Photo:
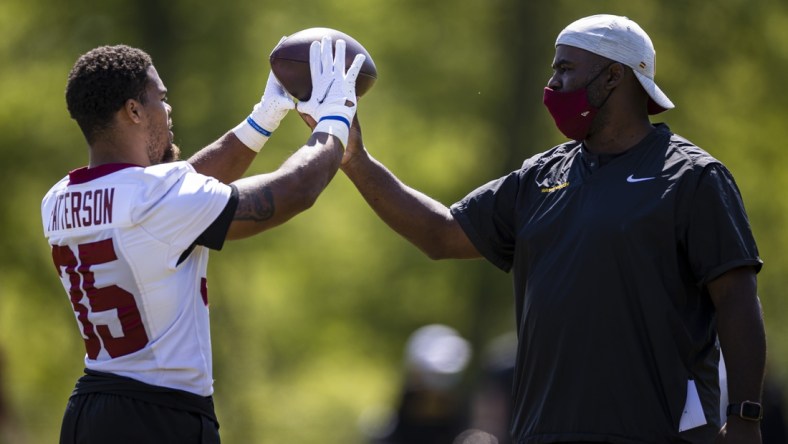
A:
[309, 120]
[273, 106]
[333, 102]
[266, 115]
[355, 142]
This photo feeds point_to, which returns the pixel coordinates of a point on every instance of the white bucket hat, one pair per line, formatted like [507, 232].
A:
[622, 40]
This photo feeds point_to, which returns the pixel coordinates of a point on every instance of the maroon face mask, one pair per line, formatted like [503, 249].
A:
[571, 111]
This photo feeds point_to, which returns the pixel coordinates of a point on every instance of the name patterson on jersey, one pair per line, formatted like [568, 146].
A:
[77, 209]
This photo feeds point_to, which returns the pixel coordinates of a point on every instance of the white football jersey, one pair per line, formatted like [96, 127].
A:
[117, 232]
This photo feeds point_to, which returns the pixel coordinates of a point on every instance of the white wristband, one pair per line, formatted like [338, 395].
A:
[252, 134]
[335, 125]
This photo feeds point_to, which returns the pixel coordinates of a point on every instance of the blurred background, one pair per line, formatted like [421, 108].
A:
[311, 321]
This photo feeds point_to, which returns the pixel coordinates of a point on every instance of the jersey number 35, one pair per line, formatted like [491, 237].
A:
[91, 302]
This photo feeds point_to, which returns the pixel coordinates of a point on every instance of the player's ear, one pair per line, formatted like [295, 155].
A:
[133, 110]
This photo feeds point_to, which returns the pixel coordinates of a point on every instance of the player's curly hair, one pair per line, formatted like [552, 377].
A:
[101, 81]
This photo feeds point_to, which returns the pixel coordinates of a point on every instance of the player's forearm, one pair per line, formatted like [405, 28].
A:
[226, 159]
[268, 200]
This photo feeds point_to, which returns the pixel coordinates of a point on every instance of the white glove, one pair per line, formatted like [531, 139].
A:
[266, 115]
[333, 100]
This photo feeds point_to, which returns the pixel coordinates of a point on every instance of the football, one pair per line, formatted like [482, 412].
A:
[290, 61]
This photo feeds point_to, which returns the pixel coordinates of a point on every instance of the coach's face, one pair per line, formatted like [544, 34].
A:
[159, 124]
[575, 68]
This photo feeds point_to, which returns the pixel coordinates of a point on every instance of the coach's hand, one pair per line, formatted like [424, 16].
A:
[355, 143]
[739, 431]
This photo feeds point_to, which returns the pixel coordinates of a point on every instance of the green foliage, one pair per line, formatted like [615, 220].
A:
[309, 320]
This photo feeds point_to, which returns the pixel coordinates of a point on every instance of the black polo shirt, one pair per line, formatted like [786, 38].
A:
[610, 257]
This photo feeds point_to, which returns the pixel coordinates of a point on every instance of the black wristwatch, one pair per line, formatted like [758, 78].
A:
[747, 410]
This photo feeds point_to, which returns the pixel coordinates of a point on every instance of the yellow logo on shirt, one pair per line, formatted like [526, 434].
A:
[555, 188]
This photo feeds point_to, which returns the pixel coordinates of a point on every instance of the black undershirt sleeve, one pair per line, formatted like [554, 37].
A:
[214, 236]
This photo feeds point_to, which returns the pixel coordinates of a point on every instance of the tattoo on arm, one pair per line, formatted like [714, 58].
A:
[255, 207]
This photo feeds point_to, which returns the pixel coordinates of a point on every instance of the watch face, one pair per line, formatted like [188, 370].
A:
[751, 410]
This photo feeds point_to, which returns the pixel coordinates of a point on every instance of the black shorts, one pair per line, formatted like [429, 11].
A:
[111, 409]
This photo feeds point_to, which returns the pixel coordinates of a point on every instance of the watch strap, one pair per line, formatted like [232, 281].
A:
[747, 410]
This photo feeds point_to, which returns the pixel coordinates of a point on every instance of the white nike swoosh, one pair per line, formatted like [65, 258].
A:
[633, 179]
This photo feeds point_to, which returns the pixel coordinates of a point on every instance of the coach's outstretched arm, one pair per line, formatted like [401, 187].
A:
[422, 220]
[268, 200]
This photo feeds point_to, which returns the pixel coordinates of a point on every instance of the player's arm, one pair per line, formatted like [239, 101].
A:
[422, 220]
[743, 342]
[228, 158]
[268, 200]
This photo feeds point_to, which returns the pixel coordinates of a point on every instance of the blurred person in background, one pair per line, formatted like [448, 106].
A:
[431, 408]
[491, 400]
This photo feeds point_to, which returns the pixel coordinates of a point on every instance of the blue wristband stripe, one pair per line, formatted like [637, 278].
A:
[257, 127]
[340, 118]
